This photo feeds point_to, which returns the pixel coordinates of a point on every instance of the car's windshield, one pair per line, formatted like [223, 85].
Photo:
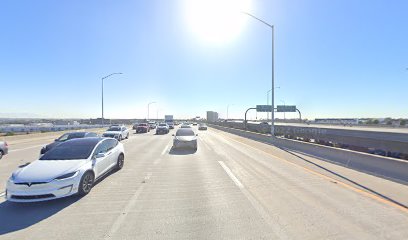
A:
[142, 125]
[70, 150]
[163, 125]
[114, 129]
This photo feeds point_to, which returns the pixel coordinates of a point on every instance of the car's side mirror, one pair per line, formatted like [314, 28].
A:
[100, 155]
[172, 135]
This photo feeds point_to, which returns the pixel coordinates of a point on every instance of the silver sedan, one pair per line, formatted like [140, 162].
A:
[185, 138]
[3, 148]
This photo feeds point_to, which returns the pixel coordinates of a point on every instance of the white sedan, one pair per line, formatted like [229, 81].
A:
[69, 168]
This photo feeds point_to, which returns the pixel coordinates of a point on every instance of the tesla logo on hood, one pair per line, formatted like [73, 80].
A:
[29, 184]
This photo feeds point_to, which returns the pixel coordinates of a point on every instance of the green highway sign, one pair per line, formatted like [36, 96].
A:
[264, 108]
[286, 108]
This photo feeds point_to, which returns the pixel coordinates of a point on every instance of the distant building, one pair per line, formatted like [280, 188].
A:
[347, 121]
[212, 116]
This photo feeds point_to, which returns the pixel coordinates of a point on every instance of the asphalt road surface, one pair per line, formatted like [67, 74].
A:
[231, 188]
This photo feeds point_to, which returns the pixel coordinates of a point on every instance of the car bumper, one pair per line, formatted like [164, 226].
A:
[112, 136]
[160, 131]
[41, 192]
[182, 144]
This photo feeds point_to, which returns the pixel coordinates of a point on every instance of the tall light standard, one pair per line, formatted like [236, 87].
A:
[267, 100]
[102, 91]
[157, 113]
[148, 110]
[284, 113]
[228, 108]
[273, 70]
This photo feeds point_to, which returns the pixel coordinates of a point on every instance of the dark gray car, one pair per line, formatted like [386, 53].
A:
[3, 148]
[65, 137]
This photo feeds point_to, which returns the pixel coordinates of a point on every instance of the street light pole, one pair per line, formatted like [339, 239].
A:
[102, 91]
[228, 109]
[267, 101]
[148, 110]
[273, 71]
[284, 113]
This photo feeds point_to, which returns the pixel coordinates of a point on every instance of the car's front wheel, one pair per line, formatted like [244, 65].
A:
[120, 138]
[86, 183]
[120, 162]
[127, 136]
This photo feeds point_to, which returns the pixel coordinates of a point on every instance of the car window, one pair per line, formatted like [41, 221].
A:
[63, 137]
[185, 132]
[114, 129]
[76, 135]
[102, 148]
[111, 144]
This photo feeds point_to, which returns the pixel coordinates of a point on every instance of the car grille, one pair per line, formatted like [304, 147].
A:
[30, 197]
[109, 135]
[30, 183]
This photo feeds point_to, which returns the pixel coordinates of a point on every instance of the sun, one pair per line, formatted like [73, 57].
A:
[216, 21]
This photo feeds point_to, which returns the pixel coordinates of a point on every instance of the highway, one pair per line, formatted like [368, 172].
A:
[231, 188]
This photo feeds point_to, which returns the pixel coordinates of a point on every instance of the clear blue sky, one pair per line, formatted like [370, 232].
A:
[337, 58]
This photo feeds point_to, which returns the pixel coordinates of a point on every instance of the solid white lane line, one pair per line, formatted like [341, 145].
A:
[21, 149]
[231, 175]
[121, 218]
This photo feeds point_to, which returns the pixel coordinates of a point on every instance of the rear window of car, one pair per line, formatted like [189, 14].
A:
[185, 132]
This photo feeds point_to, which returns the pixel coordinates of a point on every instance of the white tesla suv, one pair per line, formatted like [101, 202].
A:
[69, 168]
[117, 132]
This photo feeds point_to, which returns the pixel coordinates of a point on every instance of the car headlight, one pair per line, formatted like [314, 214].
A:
[67, 175]
[12, 177]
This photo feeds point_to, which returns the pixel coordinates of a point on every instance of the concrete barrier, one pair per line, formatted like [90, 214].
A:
[384, 167]
[393, 144]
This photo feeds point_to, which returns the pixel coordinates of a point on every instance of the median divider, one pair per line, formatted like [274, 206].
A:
[389, 168]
